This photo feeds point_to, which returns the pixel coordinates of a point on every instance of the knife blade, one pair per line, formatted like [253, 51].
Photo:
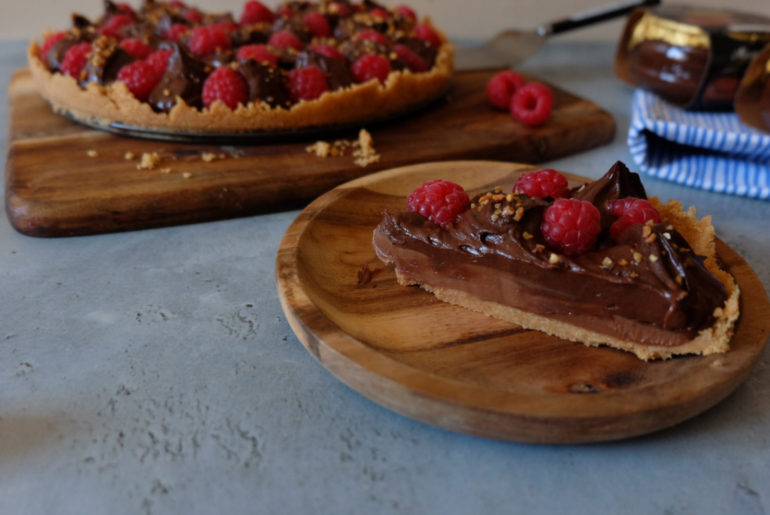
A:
[512, 47]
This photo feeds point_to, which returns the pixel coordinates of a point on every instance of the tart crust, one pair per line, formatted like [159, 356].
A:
[104, 105]
[711, 340]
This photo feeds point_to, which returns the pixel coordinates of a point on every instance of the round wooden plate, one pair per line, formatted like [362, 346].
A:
[463, 371]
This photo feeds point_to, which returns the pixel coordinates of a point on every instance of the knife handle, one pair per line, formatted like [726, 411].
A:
[593, 16]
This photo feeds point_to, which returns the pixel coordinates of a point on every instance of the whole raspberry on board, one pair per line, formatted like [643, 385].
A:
[541, 184]
[259, 53]
[307, 83]
[226, 85]
[412, 60]
[439, 201]
[159, 60]
[51, 41]
[317, 24]
[631, 211]
[427, 33]
[571, 226]
[285, 39]
[75, 59]
[370, 67]
[256, 12]
[532, 104]
[327, 50]
[501, 87]
[208, 39]
[140, 77]
[136, 47]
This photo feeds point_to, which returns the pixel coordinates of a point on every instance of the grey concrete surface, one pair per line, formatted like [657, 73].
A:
[153, 372]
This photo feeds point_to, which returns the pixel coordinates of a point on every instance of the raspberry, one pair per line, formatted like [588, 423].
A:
[318, 25]
[571, 226]
[372, 35]
[209, 39]
[228, 26]
[285, 11]
[370, 67]
[113, 25]
[226, 85]
[51, 41]
[136, 47]
[379, 12]
[327, 50]
[439, 201]
[541, 184]
[124, 8]
[193, 16]
[75, 59]
[412, 60]
[159, 61]
[307, 83]
[532, 103]
[259, 53]
[407, 12]
[427, 33]
[140, 77]
[256, 12]
[631, 211]
[176, 31]
[178, 4]
[285, 39]
[501, 87]
[339, 9]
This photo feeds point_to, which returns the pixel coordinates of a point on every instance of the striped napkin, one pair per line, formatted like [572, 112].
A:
[712, 151]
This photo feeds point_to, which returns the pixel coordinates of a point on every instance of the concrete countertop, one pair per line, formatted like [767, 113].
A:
[154, 372]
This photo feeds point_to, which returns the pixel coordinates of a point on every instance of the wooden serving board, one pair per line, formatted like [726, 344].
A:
[462, 371]
[54, 188]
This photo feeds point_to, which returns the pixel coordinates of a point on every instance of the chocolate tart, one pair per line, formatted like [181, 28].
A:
[98, 99]
[658, 291]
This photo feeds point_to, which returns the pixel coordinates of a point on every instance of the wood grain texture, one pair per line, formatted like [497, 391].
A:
[53, 188]
[465, 372]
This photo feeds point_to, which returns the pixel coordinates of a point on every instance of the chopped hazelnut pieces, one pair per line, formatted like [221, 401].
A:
[607, 262]
[653, 258]
[519, 213]
[553, 258]
[623, 262]
[638, 257]
[527, 236]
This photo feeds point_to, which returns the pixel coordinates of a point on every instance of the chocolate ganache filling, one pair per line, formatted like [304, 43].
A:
[646, 286]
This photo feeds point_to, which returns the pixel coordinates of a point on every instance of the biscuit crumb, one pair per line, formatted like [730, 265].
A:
[148, 161]
[320, 148]
[365, 153]
[186, 175]
[92, 153]
[165, 170]
[129, 156]
[208, 156]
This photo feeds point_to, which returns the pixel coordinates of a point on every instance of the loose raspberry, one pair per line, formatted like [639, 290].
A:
[193, 16]
[379, 12]
[259, 53]
[532, 104]
[113, 25]
[176, 32]
[370, 67]
[407, 12]
[307, 83]
[51, 41]
[372, 35]
[75, 59]
[541, 184]
[439, 201]
[140, 77]
[285, 39]
[571, 226]
[159, 61]
[256, 12]
[339, 9]
[427, 33]
[318, 25]
[327, 50]
[226, 85]
[631, 211]
[412, 60]
[207, 40]
[136, 47]
[501, 87]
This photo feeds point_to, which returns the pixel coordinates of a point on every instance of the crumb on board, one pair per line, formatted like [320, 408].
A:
[129, 156]
[208, 156]
[364, 153]
[148, 161]
[186, 175]
[92, 153]
[165, 170]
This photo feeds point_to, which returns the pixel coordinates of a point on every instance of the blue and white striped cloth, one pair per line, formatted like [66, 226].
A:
[712, 151]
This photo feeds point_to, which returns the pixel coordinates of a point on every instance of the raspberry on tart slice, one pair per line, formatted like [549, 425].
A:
[631, 211]
[75, 59]
[571, 226]
[176, 32]
[328, 51]
[439, 201]
[407, 12]
[206, 40]
[114, 24]
[541, 184]
[307, 83]
[50, 41]
[317, 24]
[410, 57]
[140, 77]
[159, 60]
[256, 12]
[136, 47]
[260, 53]
[370, 67]
[372, 35]
[226, 85]
[427, 33]
[285, 39]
